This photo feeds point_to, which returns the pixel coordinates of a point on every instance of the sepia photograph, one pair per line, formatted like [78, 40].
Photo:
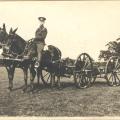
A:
[60, 59]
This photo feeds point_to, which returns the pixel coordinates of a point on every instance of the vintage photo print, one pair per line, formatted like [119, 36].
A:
[60, 59]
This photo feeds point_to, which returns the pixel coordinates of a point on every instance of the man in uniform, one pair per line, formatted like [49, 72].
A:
[40, 36]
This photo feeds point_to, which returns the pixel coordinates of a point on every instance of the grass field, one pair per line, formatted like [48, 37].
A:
[98, 100]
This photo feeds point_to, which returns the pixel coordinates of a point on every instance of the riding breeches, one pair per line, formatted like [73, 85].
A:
[40, 47]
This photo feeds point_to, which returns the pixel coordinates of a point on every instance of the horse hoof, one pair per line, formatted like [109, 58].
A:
[31, 91]
[10, 89]
[24, 90]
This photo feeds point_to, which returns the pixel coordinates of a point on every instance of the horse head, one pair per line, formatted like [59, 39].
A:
[15, 43]
[6, 44]
[3, 39]
[3, 35]
[12, 36]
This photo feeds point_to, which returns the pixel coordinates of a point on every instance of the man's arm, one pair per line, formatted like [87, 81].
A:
[44, 34]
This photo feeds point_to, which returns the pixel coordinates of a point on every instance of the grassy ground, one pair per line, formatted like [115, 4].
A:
[98, 100]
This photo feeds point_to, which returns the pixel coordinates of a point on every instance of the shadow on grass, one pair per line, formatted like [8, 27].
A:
[64, 85]
[100, 83]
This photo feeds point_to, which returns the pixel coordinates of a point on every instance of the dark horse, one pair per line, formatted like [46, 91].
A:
[10, 50]
[19, 48]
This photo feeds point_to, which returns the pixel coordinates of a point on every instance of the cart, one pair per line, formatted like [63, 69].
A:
[85, 71]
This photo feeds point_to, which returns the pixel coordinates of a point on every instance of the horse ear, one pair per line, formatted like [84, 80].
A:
[117, 39]
[4, 27]
[10, 31]
[106, 44]
[15, 30]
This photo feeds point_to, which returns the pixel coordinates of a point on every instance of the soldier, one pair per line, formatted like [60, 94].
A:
[40, 36]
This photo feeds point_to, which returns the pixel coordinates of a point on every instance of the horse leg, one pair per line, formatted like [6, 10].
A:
[10, 70]
[25, 70]
[38, 76]
[32, 77]
[52, 79]
[58, 82]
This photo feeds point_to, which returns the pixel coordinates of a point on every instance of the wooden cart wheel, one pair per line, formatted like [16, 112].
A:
[45, 77]
[83, 71]
[112, 71]
[82, 80]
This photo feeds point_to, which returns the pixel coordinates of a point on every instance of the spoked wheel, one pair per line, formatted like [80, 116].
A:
[46, 77]
[82, 80]
[113, 71]
[83, 71]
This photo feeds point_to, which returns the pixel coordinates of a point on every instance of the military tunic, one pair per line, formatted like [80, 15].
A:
[39, 40]
[40, 34]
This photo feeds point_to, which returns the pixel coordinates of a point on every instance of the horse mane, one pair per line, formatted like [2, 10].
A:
[18, 45]
[20, 38]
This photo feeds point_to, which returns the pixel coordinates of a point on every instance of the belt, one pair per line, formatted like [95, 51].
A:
[39, 40]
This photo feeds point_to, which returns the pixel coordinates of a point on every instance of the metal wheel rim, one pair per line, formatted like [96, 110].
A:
[87, 61]
[113, 75]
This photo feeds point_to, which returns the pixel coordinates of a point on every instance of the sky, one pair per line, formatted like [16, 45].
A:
[73, 26]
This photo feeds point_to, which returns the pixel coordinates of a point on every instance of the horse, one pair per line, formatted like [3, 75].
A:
[3, 44]
[12, 49]
[19, 48]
